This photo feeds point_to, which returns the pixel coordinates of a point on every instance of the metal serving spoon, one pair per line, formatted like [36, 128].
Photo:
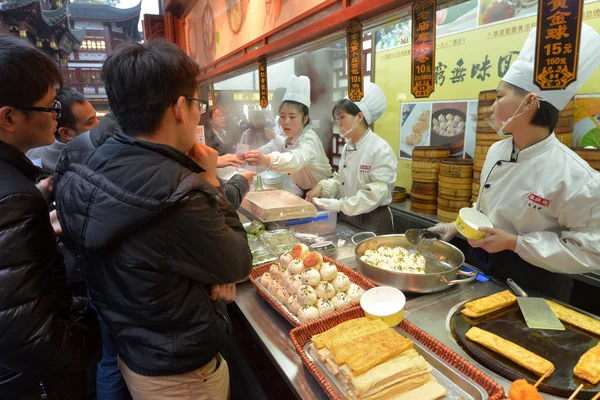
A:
[415, 236]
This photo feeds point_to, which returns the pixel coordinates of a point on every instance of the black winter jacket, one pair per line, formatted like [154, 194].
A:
[154, 235]
[43, 329]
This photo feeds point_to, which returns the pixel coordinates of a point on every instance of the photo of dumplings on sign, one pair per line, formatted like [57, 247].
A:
[415, 127]
[448, 126]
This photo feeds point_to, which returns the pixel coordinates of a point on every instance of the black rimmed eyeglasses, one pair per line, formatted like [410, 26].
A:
[55, 110]
[202, 104]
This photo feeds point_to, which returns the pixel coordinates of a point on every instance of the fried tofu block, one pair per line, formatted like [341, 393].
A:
[376, 349]
[575, 318]
[326, 338]
[510, 350]
[344, 344]
[489, 304]
[588, 367]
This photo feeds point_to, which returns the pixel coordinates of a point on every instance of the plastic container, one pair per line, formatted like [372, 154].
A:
[323, 223]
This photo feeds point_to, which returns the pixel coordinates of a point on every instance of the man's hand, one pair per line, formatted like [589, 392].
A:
[256, 158]
[46, 187]
[249, 176]
[496, 241]
[224, 292]
[55, 223]
[206, 157]
[227, 160]
[314, 193]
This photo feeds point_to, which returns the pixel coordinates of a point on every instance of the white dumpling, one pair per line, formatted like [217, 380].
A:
[292, 304]
[313, 260]
[449, 117]
[355, 292]
[285, 260]
[328, 272]
[274, 286]
[306, 295]
[308, 313]
[457, 119]
[325, 307]
[441, 118]
[341, 300]
[436, 122]
[461, 126]
[341, 283]
[311, 277]
[276, 270]
[300, 251]
[266, 279]
[436, 129]
[294, 283]
[285, 276]
[325, 290]
[296, 267]
[282, 295]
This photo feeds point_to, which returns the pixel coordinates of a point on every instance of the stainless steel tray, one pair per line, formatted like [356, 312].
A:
[458, 385]
[283, 306]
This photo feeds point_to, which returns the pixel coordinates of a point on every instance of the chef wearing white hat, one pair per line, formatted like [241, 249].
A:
[362, 189]
[300, 152]
[542, 198]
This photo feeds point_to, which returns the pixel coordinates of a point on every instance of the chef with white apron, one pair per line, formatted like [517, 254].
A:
[300, 152]
[362, 189]
[542, 198]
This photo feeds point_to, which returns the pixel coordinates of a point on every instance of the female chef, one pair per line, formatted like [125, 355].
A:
[362, 189]
[543, 199]
[300, 152]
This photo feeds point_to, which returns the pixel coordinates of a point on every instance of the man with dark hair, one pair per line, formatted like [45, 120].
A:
[77, 115]
[46, 335]
[161, 244]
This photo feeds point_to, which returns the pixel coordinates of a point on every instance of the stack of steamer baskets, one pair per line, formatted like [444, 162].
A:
[486, 136]
[454, 187]
[425, 169]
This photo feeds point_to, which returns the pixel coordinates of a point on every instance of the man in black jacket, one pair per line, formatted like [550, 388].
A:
[161, 244]
[46, 335]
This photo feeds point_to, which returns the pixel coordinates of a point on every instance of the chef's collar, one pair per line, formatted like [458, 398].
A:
[361, 141]
[533, 150]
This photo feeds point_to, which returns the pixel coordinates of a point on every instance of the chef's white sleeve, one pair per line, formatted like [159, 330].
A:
[575, 249]
[296, 159]
[275, 144]
[382, 180]
[331, 187]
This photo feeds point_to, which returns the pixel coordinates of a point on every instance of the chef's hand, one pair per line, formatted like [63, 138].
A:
[227, 160]
[314, 193]
[206, 157]
[327, 204]
[249, 176]
[447, 230]
[256, 158]
[55, 223]
[224, 292]
[497, 240]
[46, 187]
[269, 134]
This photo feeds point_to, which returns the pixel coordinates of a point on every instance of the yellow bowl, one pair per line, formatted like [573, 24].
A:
[384, 303]
[469, 221]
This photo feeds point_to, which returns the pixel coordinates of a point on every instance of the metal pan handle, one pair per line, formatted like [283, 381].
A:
[471, 277]
[516, 288]
[370, 234]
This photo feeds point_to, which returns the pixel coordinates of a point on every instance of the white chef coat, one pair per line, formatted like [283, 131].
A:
[366, 178]
[302, 157]
[550, 198]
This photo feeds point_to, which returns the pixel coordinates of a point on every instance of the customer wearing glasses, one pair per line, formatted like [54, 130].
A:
[162, 246]
[48, 338]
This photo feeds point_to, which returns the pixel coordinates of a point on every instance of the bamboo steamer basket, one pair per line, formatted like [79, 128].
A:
[565, 121]
[478, 164]
[447, 216]
[486, 143]
[476, 175]
[489, 137]
[481, 151]
[563, 129]
[430, 153]
[424, 187]
[487, 95]
[459, 187]
[424, 197]
[425, 166]
[446, 204]
[445, 181]
[455, 193]
[566, 139]
[423, 207]
[425, 176]
[483, 111]
[456, 167]
[475, 189]
[398, 195]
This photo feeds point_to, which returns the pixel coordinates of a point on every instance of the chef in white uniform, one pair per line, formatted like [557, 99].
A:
[300, 152]
[362, 189]
[542, 198]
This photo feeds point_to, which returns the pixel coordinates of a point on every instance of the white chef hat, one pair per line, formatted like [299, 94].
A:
[373, 103]
[298, 90]
[521, 71]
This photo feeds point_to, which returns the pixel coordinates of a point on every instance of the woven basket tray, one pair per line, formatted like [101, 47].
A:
[354, 277]
[302, 335]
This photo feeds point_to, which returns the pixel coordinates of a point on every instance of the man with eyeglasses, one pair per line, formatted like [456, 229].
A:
[48, 338]
[161, 244]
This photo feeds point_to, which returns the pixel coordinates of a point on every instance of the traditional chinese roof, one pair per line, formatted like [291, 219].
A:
[52, 17]
[103, 12]
[15, 4]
